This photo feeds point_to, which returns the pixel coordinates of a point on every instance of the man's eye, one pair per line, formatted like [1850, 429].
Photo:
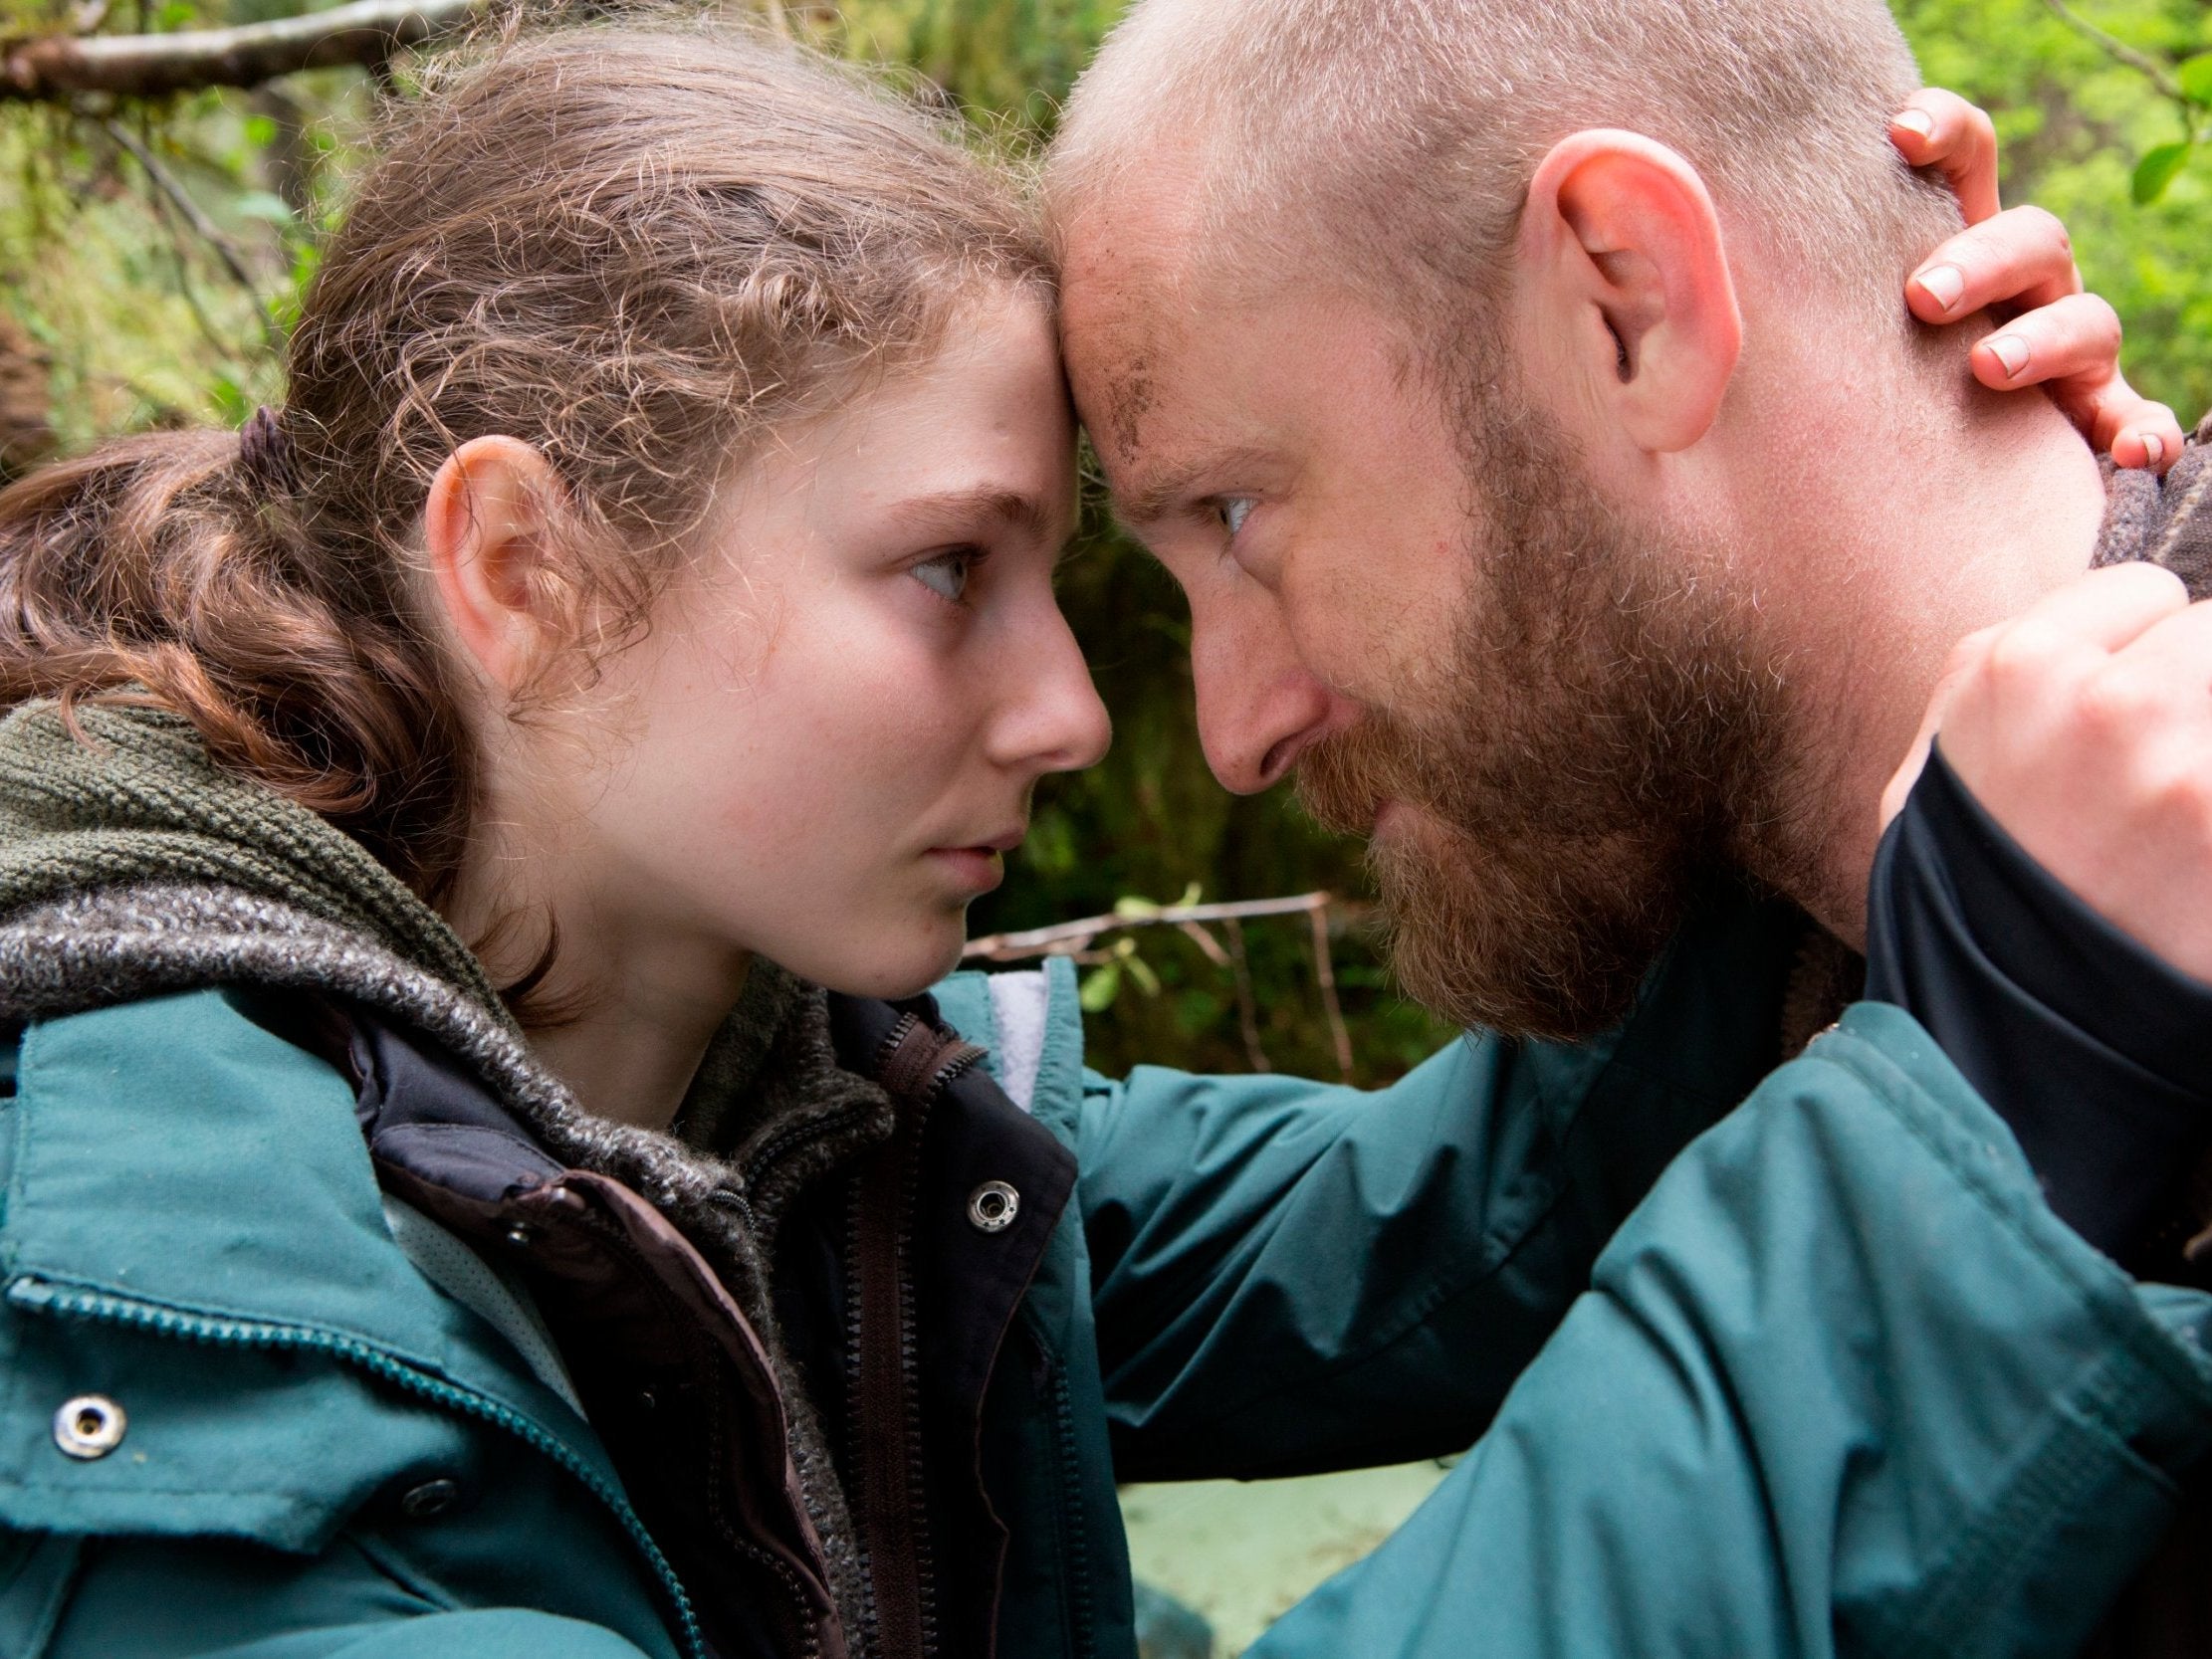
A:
[1232, 510]
[945, 576]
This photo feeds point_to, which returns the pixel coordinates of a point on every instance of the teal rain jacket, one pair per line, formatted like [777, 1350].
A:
[1841, 1383]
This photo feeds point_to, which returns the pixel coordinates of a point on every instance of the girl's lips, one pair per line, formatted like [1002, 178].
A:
[980, 868]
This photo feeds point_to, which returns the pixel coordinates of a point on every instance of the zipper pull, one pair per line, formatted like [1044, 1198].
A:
[917, 1060]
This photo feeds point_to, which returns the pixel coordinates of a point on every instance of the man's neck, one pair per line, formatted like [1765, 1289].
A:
[1939, 534]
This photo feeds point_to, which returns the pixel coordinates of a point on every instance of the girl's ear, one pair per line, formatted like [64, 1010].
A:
[489, 535]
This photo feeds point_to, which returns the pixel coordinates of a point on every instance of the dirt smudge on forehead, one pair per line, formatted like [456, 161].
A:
[1129, 397]
[1110, 346]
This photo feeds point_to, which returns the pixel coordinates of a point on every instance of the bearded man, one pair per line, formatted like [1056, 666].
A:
[1517, 394]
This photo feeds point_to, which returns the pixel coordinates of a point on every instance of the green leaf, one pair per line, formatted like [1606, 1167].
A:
[2195, 76]
[263, 204]
[230, 397]
[2157, 168]
[1141, 971]
[1100, 986]
[260, 130]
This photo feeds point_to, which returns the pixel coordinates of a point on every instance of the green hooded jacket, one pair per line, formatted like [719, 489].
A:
[1840, 1383]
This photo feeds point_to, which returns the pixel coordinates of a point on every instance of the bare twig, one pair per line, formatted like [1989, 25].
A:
[1066, 938]
[206, 229]
[1075, 938]
[2120, 51]
[1247, 1008]
[1209, 946]
[363, 33]
[174, 240]
[1324, 969]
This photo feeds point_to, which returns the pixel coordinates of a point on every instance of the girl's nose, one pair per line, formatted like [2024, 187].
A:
[1052, 719]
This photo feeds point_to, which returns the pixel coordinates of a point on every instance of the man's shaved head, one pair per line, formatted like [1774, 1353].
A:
[1392, 141]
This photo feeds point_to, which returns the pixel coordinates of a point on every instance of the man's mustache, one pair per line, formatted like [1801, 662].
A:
[1343, 780]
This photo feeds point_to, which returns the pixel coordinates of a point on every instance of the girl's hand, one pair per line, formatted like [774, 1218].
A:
[2018, 266]
[2083, 726]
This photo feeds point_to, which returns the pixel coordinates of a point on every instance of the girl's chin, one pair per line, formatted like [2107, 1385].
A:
[904, 967]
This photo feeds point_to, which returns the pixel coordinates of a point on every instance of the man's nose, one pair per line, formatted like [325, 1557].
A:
[1260, 706]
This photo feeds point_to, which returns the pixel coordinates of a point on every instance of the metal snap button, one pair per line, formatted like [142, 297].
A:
[430, 1498]
[993, 1206]
[89, 1426]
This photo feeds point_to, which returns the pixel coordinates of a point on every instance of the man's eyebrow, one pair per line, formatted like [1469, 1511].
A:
[1159, 494]
[955, 511]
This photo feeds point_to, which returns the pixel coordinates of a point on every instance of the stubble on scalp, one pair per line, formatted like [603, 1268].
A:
[1607, 729]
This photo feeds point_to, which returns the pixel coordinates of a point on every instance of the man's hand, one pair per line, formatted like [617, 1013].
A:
[2085, 727]
[2019, 265]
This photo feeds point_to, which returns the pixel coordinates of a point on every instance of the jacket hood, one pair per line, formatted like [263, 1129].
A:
[132, 865]
[135, 799]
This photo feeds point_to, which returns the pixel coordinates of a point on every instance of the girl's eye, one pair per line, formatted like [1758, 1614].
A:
[1232, 510]
[945, 576]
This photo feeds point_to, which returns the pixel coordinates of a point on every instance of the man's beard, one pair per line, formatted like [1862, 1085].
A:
[1605, 735]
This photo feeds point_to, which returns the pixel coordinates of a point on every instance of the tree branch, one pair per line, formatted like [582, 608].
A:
[1324, 969]
[1066, 938]
[2120, 51]
[56, 67]
[1248, 1005]
[179, 198]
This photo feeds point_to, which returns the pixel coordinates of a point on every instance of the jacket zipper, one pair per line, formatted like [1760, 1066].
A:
[221, 1332]
[914, 1065]
[1074, 1533]
[609, 1239]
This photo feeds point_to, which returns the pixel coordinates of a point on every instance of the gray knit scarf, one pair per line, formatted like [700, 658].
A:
[2165, 522]
[132, 866]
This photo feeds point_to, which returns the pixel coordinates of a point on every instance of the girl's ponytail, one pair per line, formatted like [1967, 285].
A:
[170, 568]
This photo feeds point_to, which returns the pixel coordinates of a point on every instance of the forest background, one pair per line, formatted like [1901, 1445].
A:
[154, 248]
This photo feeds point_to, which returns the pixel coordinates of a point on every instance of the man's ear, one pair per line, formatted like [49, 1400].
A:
[488, 532]
[1622, 259]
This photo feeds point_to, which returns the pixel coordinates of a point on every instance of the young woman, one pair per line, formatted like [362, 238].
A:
[443, 1213]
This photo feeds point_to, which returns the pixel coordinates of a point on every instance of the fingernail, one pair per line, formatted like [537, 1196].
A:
[2155, 449]
[1943, 283]
[1920, 120]
[2012, 351]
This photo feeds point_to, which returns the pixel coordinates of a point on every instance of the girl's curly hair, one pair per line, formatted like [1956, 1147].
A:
[637, 248]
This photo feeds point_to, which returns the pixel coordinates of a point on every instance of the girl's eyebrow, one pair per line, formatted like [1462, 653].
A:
[959, 509]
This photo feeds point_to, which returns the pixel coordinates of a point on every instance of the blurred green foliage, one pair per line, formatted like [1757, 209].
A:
[141, 323]
[2074, 123]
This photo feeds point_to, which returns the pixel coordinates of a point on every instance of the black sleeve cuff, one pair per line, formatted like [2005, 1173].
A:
[2093, 1049]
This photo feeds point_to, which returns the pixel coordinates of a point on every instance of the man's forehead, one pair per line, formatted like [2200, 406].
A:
[1135, 260]
[1119, 336]
[1163, 380]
